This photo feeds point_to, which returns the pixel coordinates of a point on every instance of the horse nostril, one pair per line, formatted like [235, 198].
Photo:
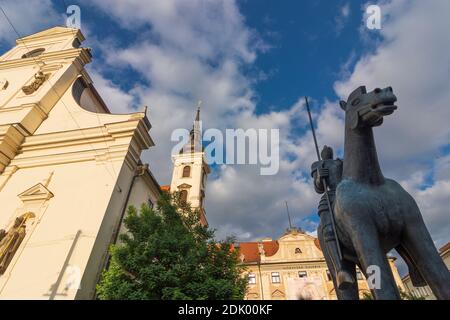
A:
[377, 90]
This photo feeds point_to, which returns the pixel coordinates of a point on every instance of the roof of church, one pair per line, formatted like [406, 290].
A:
[165, 188]
[251, 252]
[54, 31]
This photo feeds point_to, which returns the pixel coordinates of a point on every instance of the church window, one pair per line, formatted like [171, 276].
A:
[276, 277]
[302, 274]
[251, 278]
[76, 43]
[184, 196]
[186, 172]
[298, 250]
[33, 53]
[77, 89]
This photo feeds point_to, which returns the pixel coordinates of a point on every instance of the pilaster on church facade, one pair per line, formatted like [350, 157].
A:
[53, 123]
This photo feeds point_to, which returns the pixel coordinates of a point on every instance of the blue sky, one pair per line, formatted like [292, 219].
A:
[251, 62]
[307, 51]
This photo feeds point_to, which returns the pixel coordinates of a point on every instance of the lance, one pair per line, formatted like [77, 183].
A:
[324, 182]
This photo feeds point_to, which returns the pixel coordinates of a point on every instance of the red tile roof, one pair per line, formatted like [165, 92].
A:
[444, 248]
[165, 188]
[317, 243]
[251, 252]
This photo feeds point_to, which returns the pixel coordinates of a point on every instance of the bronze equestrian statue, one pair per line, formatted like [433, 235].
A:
[373, 214]
[331, 170]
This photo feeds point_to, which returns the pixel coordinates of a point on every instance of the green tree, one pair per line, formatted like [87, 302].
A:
[166, 254]
[409, 296]
[403, 295]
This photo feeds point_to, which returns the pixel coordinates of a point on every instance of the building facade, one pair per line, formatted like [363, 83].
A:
[292, 268]
[68, 169]
[425, 292]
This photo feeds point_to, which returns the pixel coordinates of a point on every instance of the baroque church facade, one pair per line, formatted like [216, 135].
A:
[68, 169]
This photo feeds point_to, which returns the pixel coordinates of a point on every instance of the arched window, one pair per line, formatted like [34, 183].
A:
[298, 250]
[183, 195]
[33, 53]
[186, 172]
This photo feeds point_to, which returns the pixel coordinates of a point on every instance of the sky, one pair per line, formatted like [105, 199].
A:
[251, 63]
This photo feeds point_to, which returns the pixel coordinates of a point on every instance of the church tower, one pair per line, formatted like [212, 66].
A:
[191, 170]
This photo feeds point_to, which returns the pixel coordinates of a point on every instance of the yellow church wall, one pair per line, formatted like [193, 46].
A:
[81, 195]
[70, 167]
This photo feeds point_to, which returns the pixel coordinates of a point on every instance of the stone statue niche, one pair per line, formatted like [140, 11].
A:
[10, 240]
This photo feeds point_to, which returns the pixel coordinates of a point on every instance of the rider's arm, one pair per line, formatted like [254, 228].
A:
[318, 186]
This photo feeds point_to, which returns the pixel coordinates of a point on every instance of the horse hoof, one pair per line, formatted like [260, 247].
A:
[344, 280]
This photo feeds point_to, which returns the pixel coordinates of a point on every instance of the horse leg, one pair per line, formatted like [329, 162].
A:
[417, 241]
[416, 278]
[371, 255]
[351, 292]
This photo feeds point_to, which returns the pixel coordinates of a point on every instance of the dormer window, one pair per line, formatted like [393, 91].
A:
[33, 53]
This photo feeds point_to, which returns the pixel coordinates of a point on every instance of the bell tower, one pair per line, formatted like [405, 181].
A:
[190, 171]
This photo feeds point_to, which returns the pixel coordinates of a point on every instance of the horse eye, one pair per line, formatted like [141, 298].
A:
[355, 102]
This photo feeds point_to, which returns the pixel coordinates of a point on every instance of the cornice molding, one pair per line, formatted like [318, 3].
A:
[54, 33]
[82, 55]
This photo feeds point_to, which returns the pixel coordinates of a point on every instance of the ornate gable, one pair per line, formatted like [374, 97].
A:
[37, 192]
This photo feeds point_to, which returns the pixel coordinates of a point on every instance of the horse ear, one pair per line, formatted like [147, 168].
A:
[343, 105]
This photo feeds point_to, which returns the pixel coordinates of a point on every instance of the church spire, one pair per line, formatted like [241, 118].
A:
[195, 139]
[197, 117]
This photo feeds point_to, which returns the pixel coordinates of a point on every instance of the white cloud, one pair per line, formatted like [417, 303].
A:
[27, 17]
[116, 100]
[341, 19]
[414, 59]
[186, 58]
[196, 51]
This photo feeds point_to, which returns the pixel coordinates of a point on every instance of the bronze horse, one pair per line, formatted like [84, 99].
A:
[374, 214]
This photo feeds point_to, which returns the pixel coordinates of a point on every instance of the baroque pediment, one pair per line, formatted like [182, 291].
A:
[37, 192]
[184, 186]
[277, 294]
[54, 32]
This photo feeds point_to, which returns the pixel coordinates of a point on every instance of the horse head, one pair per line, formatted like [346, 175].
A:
[364, 109]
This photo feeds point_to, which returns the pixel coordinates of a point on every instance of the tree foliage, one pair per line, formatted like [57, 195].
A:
[166, 254]
[403, 295]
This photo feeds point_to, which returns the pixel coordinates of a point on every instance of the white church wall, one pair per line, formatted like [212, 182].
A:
[70, 167]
